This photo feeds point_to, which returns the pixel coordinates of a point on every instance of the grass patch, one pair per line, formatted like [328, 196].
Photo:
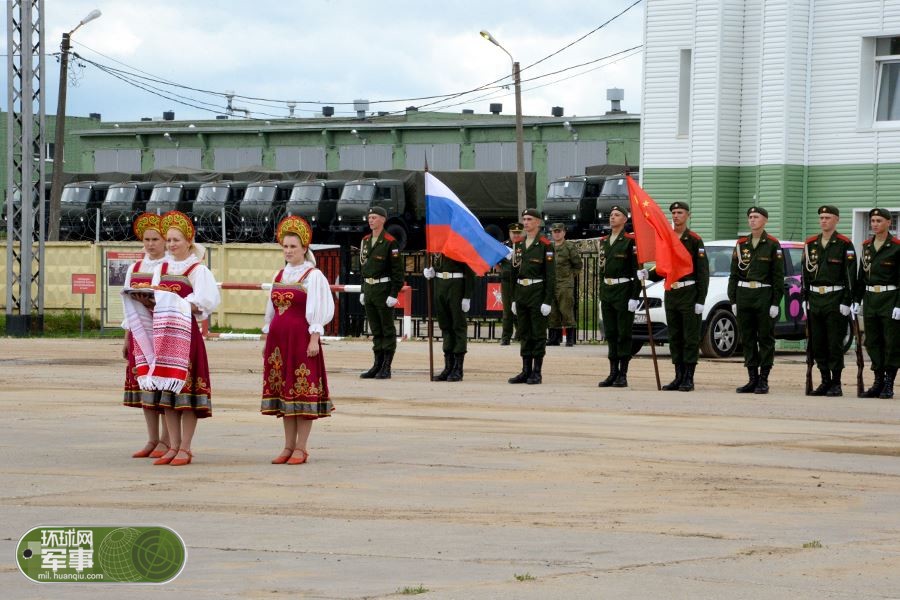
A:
[524, 577]
[412, 591]
[813, 544]
[67, 323]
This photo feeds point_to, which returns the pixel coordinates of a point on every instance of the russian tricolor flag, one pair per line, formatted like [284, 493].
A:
[451, 229]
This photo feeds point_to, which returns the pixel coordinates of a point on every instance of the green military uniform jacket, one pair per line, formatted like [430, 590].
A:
[829, 266]
[763, 264]
[687, 297]
[879, 267]
[534, 262]
[379, 258]
[618, 260]
[568, 263]
[506, 268]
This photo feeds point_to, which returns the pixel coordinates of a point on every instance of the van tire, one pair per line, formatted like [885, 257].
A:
[720, 335]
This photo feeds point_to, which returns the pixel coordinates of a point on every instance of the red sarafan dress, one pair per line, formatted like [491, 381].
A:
[294, 384]
[140, 275]
[193, 282]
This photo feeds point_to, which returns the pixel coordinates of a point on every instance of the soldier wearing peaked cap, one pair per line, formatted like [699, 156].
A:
[877, 289]
[829, 281]
[507, 286]
[568, 265]
[755, 289]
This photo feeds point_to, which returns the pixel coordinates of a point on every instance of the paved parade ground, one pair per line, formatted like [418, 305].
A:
[477, 489]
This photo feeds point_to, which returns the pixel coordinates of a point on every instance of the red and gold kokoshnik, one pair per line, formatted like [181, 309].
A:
[145, 222]
[296, 225]
[178, 220]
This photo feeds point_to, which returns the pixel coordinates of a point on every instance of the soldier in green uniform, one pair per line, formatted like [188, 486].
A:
[568, 264]
[755, 290]
[452, 299]
[877, 289]
[381, 268]
[508, 286]
[535, 274]
[684, 302]
[619, 292]
[829, 282]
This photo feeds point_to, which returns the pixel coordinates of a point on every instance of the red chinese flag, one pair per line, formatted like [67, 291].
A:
[655, 238]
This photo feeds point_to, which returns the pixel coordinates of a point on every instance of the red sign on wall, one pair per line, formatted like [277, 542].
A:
[84, 283]
[494, 299]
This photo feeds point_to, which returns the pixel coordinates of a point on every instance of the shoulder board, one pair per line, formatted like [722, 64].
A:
[389, 238]
[630, 236]
[367, 236]
[694, 235]
[812, 238]
[844, 238]
[544, 241]
[896, 241]
[741, 240]
[772, 238]
[867, 241]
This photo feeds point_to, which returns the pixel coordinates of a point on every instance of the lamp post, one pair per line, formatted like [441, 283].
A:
[59, 138]
[520, 144]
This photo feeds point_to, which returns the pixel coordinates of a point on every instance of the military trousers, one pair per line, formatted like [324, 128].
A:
[757, 330]
[882, 341]
[684, 332]
[531, 323]
[562, 311]
[507, 288]
[448, 296]
[827, 330]
[617, 325]
[380, 317]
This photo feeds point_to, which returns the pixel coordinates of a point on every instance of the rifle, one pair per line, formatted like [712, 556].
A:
[860, 363]
[809, 359]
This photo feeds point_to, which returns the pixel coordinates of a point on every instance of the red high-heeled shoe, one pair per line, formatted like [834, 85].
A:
[283, 458]
[159, 453]
[145, 451]
[298, 461]
[166, 458]
[180, 462]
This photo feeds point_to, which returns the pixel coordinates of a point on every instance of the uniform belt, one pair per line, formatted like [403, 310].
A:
[616, 280]
[446, 275]
[371, 280]
[753, 284]
[681, 284]
[877, 289]
[825, 289]
[527, 282]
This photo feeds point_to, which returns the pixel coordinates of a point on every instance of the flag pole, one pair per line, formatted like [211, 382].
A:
[429, 284]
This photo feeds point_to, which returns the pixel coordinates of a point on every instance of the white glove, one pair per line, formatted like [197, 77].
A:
[773, 312]
[643, 274]
[513, 309]
[806, 306]
[545, 309]
[362, 298]
[895, 314]
[466, 304]
[734, 309]
[845, 310]
[854, 309]
[633, 305]
[391, 302]
[698, 309]
[428, 272]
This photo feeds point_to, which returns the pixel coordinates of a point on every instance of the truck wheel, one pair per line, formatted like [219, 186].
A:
[720, 338]
[495, 232]
[399, 233]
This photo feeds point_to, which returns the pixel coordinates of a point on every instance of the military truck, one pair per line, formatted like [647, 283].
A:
[79, 209]
[173, 195]
[316, 201]
[490, 195]
[574, 201]
[261, 209]
[123, 202]
[216, 210]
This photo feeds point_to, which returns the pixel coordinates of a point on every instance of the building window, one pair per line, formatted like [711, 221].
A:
[887, 65]
[684, 92]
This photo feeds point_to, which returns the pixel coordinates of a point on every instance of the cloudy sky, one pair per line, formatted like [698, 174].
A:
[334, 51]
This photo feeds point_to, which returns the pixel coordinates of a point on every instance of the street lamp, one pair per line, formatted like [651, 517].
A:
[520, 144]
[56, 186]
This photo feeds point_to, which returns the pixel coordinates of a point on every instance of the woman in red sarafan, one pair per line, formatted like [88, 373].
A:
[147, 228]
[295, 386]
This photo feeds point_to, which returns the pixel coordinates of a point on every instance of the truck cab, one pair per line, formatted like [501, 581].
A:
[614, 192]
[573, 200]
[78, 207]
[216, 199]
[360, 195]
[123, 202]
[316, 201]
[174, 195]
[262, 207]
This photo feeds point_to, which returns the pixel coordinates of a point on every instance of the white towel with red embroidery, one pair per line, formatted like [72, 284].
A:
[162, 340]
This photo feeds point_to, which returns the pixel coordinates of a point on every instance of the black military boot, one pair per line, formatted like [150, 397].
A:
[823, 388]
[385, 372]
[622, 377]
[456, 374]
[554, 337]
[679, 376]
[526, 371]
[877, 385]
[448, 367]
[888, 390]
[373, 371]
[570, 336]
[687, 384]
[613, 373]
[504, 341]
[750, 386]
[835, 388]
[762, 384]
[535, 377]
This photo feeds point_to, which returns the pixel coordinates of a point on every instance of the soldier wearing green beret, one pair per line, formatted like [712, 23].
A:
[755, 289]
[829, 282]
[381, 267]
[568, 265]
[877, 289]
[507, 286]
